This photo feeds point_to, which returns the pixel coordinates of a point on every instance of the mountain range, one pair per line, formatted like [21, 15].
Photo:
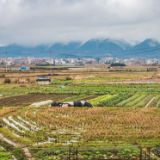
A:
[149, 48]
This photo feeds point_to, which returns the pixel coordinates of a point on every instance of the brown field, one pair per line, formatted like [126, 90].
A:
[89, 71]
[25, 100]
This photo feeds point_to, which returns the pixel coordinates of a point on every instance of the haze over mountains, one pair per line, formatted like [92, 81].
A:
[93, 48]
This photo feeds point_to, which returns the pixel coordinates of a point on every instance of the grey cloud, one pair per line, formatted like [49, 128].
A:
[48, 21]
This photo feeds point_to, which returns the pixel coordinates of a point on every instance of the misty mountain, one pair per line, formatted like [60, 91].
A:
[61, 48]
[93, 48]
[99, 48]
[147, 49]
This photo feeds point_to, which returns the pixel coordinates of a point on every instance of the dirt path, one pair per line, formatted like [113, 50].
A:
[149, 102]
[38, 104]
[25, 149]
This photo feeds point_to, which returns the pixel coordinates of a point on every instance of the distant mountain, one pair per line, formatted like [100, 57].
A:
[124, 45]
[100, 48]
[93, 48]
[147, 44]
[147, 49]
[60, 49]
[15, 50]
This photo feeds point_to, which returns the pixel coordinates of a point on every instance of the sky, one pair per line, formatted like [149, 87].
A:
[33, 22]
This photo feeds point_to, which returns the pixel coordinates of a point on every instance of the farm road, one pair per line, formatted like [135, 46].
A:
[25, 149]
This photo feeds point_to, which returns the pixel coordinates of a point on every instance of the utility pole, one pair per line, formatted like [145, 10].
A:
[50, 56]
[6, 61]
[50, 61]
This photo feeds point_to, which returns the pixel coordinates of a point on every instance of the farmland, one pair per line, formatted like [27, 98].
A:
[123, 124]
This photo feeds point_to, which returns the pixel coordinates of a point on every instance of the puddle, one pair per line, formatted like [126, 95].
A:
[15, 134]
[32, 126]
[17, 123]
[47, 142]
[12, 125]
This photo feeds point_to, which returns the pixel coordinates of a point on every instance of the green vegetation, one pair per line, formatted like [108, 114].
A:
[85, 152]
[144, 101]
[83, 87]
[4, 155]
[7, 150]
[114, 101]
[100, 99]
[117, 64]
[126, 101]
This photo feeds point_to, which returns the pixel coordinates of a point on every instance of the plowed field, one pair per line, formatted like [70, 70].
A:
[28, 99]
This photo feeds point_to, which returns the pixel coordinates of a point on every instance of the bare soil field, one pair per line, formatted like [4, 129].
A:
[26, 100]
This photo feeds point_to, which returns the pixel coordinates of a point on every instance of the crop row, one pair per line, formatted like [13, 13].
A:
[100, 99]
[115, 100]
[64, 126]
[137, 100]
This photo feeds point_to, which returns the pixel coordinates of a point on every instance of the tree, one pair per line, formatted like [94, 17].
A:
[98, 59]
[117, 64]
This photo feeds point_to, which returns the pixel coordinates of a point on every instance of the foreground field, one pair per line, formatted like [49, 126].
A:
[95, 126]
[123, 124]
[62, 128]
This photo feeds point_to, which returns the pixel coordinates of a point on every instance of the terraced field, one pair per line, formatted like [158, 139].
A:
[64, 127]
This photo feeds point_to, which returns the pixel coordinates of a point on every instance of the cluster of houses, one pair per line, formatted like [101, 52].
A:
[74, 61]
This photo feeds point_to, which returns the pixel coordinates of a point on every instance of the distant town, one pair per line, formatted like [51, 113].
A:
[74, 62]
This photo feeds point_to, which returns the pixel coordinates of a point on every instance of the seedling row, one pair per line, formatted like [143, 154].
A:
[95, 126]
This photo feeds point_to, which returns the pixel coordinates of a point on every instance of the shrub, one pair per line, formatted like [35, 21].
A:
[2, 76]
[109, 154]
[68, 78]
[16, 81]
[7, 80]
[28, 79]
[117, 64]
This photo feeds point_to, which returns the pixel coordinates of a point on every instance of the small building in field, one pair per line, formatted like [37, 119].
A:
[43, 80]
[22, 81]
[152, 69]
[25, 68]
[15, 69]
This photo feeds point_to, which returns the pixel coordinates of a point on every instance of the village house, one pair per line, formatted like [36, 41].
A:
[43, 80]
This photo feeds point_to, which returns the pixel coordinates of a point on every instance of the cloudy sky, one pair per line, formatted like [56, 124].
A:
[32, 22]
